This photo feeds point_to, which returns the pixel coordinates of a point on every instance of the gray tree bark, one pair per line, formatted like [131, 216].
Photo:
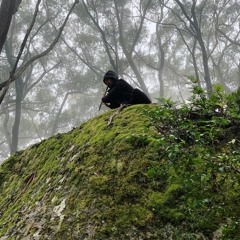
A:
[7, 9]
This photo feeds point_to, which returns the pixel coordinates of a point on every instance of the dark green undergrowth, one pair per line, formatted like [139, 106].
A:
[156, 172]
[199, 150]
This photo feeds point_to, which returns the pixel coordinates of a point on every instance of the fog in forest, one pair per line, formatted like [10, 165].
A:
[54, 81]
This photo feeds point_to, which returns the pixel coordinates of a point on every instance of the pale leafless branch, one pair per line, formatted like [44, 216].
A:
[34, 58]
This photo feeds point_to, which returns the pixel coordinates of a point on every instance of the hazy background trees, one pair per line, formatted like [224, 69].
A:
[153, 44]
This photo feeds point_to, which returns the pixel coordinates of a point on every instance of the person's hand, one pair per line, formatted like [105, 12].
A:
[107, 104]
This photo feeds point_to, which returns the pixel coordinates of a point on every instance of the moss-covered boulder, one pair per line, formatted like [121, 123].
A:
[121, 180]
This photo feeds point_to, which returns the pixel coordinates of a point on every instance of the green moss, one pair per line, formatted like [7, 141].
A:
[120, 181]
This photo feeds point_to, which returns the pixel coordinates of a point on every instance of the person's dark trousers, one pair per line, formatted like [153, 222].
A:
[140, 97]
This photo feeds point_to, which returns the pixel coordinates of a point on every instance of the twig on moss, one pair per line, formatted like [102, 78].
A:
[115, 113]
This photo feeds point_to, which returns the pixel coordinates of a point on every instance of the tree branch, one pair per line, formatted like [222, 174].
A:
[228, 38]
[34, 58]
[6, 86]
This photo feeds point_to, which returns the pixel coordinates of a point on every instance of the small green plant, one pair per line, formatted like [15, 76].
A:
[233, 105]
[166, 102]
[203, 120]
[192, 78]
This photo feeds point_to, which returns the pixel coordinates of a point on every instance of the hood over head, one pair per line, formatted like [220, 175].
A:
[110, 74]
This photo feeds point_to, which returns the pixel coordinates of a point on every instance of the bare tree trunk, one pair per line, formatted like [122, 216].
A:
[239, 75]
[5, 125]
[205, 64]
[18, 103]
[161, 62]
[7, 9]
[195, 63]
[17, 120]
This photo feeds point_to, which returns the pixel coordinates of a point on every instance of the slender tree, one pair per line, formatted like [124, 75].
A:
[7, 9]
[192, 21]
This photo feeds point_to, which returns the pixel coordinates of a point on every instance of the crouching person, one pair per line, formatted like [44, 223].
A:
[121, 92]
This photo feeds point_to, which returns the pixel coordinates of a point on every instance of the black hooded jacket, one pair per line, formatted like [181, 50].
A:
[121, 92]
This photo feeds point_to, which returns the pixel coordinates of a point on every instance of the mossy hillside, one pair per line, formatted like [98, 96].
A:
[59, 170]
[122, 181]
